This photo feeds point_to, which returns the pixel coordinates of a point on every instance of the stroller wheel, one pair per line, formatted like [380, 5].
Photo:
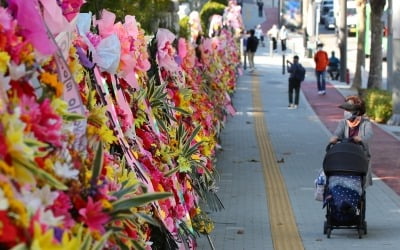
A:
[328, 233]
[325, 227]
[359, 233]
[365, 227]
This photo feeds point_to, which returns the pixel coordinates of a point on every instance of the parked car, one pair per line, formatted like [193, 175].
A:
[325, 7]
[329, 20]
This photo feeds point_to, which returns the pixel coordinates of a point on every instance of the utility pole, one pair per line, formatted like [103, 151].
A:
[389, 52]
[343, 39]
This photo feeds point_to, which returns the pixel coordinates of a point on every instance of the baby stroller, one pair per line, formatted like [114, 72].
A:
[345, 166]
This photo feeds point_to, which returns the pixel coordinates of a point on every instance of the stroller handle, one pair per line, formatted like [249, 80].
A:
[345, 140]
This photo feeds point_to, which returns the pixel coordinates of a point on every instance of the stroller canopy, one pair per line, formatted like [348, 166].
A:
[346, 157]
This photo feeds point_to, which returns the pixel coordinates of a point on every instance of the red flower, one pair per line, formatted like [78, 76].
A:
[9, 234]
[93, 215]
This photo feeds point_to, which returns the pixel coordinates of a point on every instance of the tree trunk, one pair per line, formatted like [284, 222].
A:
[395, 119]
[375, 66]
[360, 43]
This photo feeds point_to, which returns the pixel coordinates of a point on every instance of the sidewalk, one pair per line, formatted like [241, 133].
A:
[299, 138]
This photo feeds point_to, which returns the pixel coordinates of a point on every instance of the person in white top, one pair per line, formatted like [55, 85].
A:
[273, 35]
[259, 34]
[283, 35]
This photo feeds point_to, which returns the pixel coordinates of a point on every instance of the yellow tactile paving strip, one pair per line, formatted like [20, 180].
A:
[284, 231]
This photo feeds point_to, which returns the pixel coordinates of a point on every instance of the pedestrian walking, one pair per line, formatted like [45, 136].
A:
[251, 48]
[297, 74]
[259, 34]
[321, 62]
[356, 127]
[283, 35]
[273, 35]
[260, 5]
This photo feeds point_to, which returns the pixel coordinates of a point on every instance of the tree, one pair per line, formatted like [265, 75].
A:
[146, 12]
[394, 25]
[360, 42]
[375, 67]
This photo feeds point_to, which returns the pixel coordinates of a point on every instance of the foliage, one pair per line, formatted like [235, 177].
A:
[378, 104]
[145, 11]
[209, 9]
[224, 2]
[184, 28]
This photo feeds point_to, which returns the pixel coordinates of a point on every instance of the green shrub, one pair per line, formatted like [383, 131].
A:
[379, 104]
[224, 2]
[209, 9]
[184, 28]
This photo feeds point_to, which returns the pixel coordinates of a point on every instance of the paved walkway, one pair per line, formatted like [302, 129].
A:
[299, 138]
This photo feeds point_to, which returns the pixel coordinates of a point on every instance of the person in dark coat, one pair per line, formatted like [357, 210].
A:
[251, 48]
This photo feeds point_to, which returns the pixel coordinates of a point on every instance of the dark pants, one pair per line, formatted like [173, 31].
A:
[294, 84]
[283, 44]
[334, 73]
[320, 80]
[274, 43]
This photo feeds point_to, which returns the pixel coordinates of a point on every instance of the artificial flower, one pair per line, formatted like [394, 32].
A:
[51, 80]
[38, 198]
[4, 61]
[93, 215]
[4, 204]
[65, 170]
[9, 233]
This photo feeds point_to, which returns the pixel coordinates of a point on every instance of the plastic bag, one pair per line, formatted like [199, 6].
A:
[319, 184]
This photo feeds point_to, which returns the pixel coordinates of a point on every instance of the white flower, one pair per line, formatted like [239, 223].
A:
[47, 218]
[3, 201]
[65, 170]
[38, 198]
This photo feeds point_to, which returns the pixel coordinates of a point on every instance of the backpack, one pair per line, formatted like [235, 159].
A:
[300, 73]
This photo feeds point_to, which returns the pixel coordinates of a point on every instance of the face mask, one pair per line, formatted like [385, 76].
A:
[347, 115]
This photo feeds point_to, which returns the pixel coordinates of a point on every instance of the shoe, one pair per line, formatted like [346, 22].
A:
[319, 92]
[295, 106]
[323, 92]
[291, 106]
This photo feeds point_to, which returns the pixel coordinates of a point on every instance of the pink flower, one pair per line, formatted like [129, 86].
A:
[166, 52]
[5, 18]
[93, 216]
[42, 120]
[31, 24]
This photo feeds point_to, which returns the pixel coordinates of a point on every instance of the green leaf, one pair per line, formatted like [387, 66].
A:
[194, 133]
[148, 219]
[181, 110]
[137, 245]
[99, 245]
[171, 172]
[41, 174]
[97, 164]
[138, 201]
[70, 117]
[192, 150]
[124, 191]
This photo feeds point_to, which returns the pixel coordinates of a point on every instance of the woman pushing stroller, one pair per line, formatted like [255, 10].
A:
[355, 126]
[348, 170]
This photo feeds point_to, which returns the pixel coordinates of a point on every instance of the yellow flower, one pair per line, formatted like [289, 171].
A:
[70, 243]
[52, 81]
[4, 60]
[43, 240]
[106, 204]
[60, 106]
[6, 169]
[184, 164]
[19, 209]
[74, 66]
